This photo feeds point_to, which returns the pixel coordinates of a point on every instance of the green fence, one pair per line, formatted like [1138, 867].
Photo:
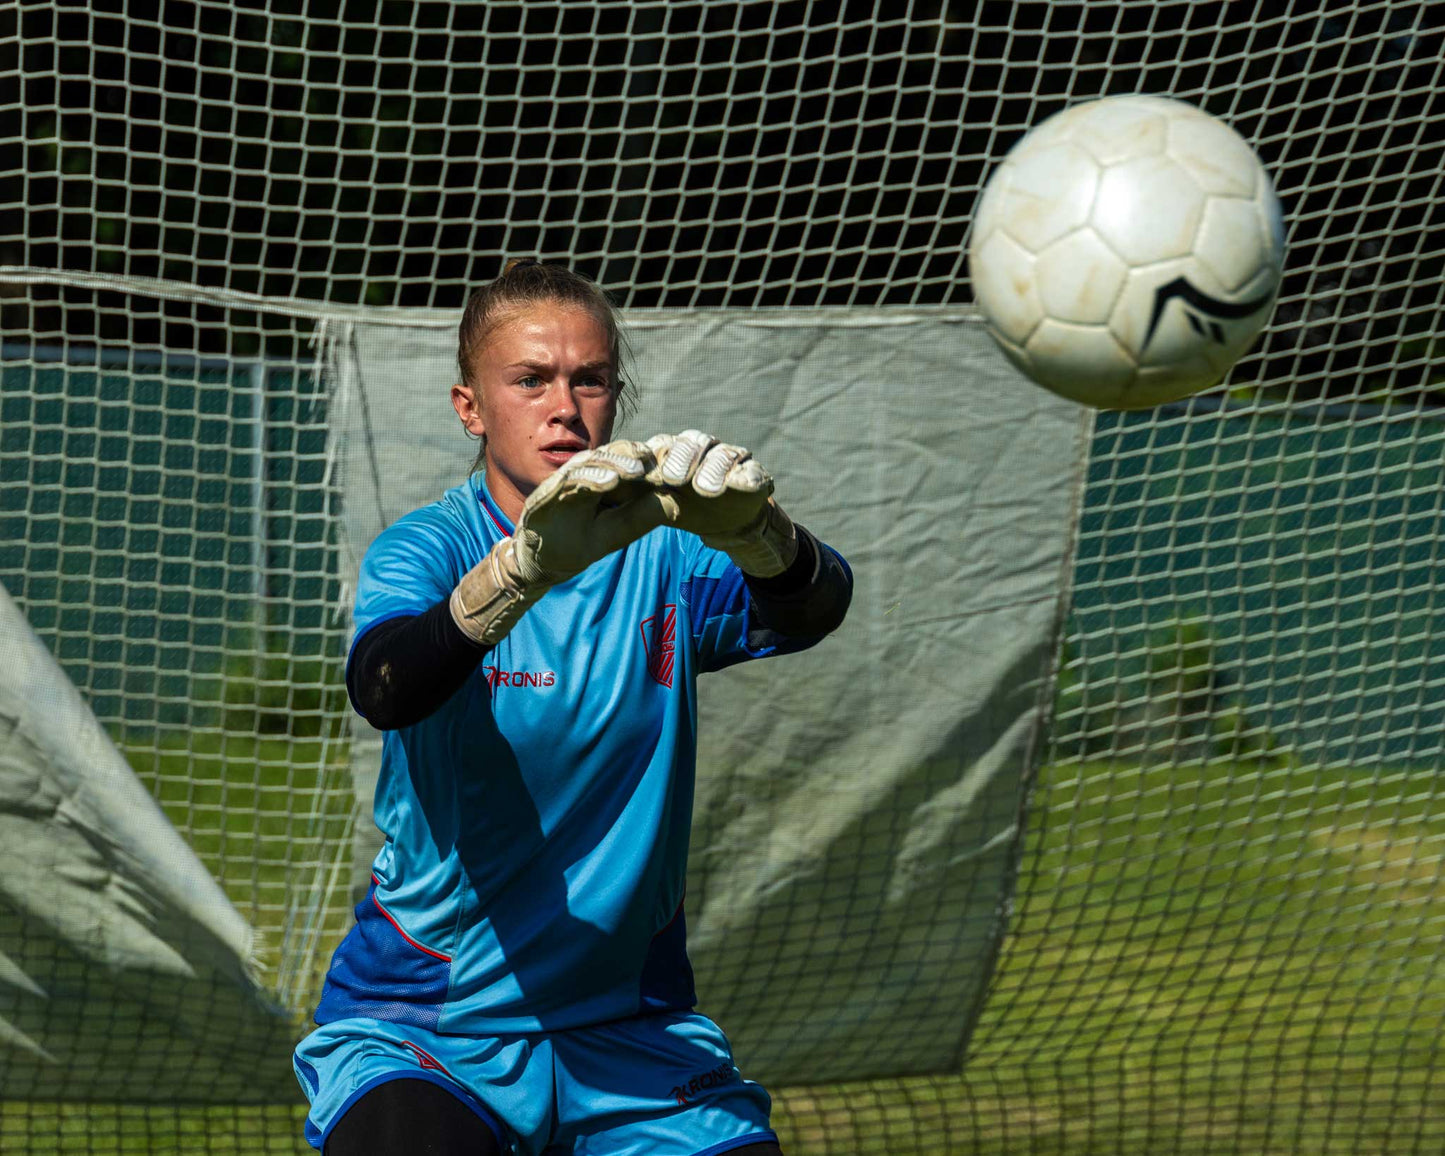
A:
[1297, 551]
[164, 520]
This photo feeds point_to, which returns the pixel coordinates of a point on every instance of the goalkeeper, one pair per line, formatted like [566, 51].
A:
[517, 978]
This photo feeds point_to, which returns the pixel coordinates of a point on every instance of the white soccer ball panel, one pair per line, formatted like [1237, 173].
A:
[1148, 210]
[1156, 385]
[1012, 352]
[1005, 287]
[1261, 290]
[1265, 283]
[1215, 156]
[1081, 362]
[1148, 319]
[1272, 216]
[1231, 242]
[1079, 278]
[1134, 310]
[986, 211]
[1128, 251]
[1177, 314]
[1118, 130]
[1050, 192]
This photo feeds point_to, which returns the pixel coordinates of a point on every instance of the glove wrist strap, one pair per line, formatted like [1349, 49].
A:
[493, 595]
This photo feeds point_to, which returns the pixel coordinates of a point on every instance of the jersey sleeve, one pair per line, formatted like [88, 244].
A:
[410, 567]
[725, 627]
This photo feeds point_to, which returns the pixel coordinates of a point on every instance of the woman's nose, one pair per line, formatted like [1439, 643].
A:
[564, 405]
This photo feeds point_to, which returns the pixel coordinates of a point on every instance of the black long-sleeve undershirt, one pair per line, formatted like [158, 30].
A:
[404, 669]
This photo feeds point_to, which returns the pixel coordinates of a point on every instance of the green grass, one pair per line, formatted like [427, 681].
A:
[267, 817]
[1205, 959]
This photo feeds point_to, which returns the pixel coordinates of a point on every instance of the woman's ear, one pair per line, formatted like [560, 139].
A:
[464, 401]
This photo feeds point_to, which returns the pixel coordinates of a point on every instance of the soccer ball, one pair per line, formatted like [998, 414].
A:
[1127, 251]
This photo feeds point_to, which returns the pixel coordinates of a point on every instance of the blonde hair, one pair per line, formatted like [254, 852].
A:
[526, 281]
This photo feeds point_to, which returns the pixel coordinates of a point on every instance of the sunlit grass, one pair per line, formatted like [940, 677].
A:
[1206, 959]
[268, 817]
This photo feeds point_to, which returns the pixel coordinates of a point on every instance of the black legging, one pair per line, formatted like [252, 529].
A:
[410, 1118]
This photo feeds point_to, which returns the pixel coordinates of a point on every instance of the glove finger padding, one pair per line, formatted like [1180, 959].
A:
[719, 492]
[572, 519]
[595, 471]
[679, 456]
[594, 504]
[720, 469]
[709, 486]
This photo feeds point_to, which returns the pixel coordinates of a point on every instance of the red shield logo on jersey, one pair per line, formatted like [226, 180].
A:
[659, 637]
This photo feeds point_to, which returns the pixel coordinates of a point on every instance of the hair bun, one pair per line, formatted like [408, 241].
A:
[519, 263]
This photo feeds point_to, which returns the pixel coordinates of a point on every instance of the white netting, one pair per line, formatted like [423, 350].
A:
[168, 529]
[684, 153]
[187, 188]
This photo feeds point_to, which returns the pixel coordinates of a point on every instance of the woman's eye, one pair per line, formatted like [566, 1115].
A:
[593, 383]
[531, 381]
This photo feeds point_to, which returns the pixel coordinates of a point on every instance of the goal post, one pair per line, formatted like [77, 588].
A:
[1198, 860]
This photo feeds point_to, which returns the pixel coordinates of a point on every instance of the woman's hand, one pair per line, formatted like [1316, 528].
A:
[722, 494]
[596, 503]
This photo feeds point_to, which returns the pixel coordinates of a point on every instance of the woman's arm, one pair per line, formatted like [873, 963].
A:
[402, 670]
[808, 599]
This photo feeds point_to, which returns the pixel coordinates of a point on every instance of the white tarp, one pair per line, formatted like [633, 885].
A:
[125, 972]
[858, 809]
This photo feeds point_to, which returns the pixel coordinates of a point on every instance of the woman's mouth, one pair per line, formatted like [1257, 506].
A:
[559, 453]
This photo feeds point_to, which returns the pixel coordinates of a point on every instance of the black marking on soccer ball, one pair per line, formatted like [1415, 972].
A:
[1196, 299]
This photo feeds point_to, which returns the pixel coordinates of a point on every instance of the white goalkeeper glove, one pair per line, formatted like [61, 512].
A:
[596, 503]
[721, 494]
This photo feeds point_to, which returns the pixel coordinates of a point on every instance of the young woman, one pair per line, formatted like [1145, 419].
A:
[517, 979]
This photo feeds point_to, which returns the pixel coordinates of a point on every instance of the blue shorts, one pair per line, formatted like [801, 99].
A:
[637, 1087]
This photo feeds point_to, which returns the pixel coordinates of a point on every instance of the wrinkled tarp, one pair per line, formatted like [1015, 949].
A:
[125, 972]
[859, 806]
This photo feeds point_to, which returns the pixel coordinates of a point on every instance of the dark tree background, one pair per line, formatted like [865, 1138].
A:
[685, 154]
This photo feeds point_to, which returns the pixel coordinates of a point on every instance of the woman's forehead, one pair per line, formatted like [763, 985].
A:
[554, 327]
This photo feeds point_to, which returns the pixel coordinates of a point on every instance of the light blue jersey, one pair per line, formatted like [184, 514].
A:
[537, 824]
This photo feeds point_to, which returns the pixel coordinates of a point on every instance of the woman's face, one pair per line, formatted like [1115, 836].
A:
[542, 390]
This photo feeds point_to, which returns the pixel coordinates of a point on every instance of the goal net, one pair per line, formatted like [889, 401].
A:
[1185, 895]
